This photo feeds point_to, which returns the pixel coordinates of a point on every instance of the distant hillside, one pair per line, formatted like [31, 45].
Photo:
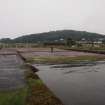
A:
[55, 36]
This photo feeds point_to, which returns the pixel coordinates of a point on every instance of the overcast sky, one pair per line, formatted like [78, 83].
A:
[19, 17]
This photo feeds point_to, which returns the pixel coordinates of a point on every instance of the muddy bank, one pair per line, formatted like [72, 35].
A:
[39, 93]
[77, 64]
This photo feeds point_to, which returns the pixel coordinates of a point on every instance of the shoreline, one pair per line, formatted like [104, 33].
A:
[39, 93]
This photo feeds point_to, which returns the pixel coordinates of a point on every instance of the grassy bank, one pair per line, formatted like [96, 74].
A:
[39, 94]
[16, 97]
[34, 93]
[65, 59]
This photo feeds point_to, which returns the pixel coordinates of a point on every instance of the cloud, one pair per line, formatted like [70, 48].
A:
[18, 17]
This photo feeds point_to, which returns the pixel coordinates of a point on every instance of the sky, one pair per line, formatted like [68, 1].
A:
[22, 17]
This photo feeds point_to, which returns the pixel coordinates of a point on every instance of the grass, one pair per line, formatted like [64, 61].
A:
[39, 93]
[65, 59]
[16, 97]
[86, 48]
[35, 93]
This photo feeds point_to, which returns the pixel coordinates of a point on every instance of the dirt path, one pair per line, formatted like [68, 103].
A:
[11, 72]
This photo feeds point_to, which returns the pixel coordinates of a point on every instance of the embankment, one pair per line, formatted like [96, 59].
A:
[39, 94]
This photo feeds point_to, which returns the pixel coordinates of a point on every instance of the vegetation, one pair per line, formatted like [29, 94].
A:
[16, 97]
[34, 93]
[39, 94]
[70, 42]
[55, 36]
[85, 48]
[6, 40]
[65, 59]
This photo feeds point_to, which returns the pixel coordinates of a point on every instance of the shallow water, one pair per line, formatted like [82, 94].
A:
[11, 73]
[80, 85]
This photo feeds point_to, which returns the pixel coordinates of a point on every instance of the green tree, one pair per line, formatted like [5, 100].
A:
[103, 41]
[70, 42]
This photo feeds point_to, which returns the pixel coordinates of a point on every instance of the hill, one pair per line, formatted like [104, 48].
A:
[55, 36]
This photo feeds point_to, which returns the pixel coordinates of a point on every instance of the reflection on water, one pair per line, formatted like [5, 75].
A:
[80, 85]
